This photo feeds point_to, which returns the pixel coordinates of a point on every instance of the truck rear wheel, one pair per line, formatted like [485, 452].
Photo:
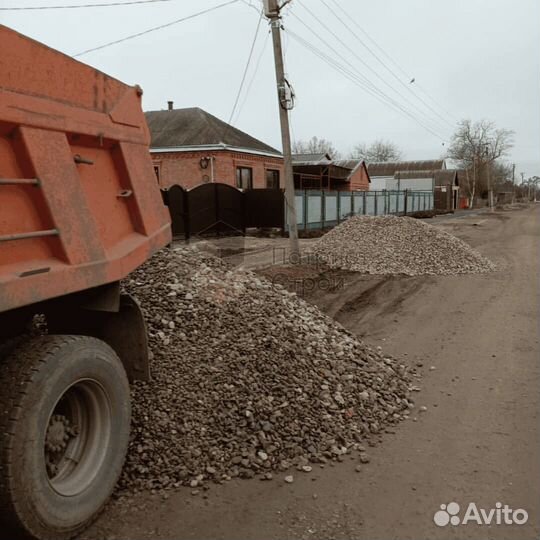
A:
[64, 431]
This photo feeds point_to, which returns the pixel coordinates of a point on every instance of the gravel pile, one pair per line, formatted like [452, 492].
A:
[397, 245]
[247, 379]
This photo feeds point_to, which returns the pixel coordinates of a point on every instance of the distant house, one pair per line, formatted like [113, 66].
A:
[321, 172]
[428, 175]
[358, 179]
[191, 146]
[400, 175]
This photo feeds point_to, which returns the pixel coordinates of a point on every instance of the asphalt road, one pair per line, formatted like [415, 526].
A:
[477, 442]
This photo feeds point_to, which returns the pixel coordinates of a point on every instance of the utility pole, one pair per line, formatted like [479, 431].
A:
[490, 188]
[272, 11]
[488, 165]
[528, 187]
[513, 183]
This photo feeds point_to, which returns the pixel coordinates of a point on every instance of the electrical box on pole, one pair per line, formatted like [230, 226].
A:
[285, 102]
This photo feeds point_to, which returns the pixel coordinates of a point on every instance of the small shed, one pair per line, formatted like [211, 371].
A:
[359, 179]
[321, 172]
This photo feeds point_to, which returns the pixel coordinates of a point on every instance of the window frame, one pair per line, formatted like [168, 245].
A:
[276, 177]
[240, 179]
[157, 171]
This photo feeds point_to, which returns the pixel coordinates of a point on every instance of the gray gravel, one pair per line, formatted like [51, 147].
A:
[247, 379]
[397, 245]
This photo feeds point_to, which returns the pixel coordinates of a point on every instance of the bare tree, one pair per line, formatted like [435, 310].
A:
[377, 151]
[315, 146]
[475, 147]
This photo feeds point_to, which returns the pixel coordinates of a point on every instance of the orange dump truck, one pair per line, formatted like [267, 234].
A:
[79, 209]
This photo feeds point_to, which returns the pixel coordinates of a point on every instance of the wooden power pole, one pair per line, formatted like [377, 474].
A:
[272, 12]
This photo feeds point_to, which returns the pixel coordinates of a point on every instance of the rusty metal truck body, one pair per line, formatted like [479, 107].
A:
[79, 209]
[77, 206]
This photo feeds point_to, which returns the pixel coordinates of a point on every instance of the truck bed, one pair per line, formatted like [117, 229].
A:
[79, 202]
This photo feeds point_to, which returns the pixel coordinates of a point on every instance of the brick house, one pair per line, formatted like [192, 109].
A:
[190, 147]
[321, 172]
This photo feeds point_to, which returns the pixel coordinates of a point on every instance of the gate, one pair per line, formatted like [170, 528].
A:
[220, 209]
[176, 199]
[443, 197]
[265, 208]
[215, 209]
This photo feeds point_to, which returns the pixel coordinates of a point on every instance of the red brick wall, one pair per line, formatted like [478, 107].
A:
[359, 180]
[184, 167]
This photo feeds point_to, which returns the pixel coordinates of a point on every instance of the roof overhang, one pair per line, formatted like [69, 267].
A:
[213, 148]
[318, 169]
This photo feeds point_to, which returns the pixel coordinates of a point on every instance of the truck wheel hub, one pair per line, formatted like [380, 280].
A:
[77, 436]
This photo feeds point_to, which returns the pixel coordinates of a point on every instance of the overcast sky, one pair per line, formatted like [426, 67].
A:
[477, 59]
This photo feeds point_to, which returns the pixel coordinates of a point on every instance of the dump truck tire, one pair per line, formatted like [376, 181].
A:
[64, 432]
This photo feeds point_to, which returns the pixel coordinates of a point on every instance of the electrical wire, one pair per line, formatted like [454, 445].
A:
[355, 79]
[369, 84]
[249, 4]
[250, 84]
[390, 70]
[392, 60]
[291, 111]
[105, 4]
[426, 118]
[252, 48]
[155, 28]
[362, 80]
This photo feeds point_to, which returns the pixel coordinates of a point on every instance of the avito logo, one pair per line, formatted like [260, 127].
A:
[500, 515]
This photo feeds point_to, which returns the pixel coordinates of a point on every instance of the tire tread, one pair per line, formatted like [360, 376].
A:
[18, 370]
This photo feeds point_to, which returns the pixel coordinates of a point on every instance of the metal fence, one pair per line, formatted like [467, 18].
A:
[220, 209]
[320, 209]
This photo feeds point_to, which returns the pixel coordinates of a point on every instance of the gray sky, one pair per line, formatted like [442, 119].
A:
[476, 58]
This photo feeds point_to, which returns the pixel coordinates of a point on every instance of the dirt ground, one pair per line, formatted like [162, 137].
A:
[476, 340]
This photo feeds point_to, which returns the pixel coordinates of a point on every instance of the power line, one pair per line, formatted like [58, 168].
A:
[249, 4]
[156, 28]
[250, 84]
[105, 4]
[359, 78]
[394, 62]
[246, 68]
[355, 54]
[365, 81]
[383, 63]
[356, 79]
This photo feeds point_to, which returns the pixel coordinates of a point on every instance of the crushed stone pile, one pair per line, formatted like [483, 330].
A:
[397, 245]
[247, 379]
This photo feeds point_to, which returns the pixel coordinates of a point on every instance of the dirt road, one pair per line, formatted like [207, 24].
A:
[478, 441]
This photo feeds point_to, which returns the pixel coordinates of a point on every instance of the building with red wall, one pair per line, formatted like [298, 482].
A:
[358, 179]
[321, 172]
[190, 147]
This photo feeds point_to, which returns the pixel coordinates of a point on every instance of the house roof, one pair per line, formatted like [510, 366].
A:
[342, 169]
[442, 177]
[353, 165]
[348, 163]
[194, 127]
[312, 159]
[448, 176]
[391, 167]
[404, 175]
